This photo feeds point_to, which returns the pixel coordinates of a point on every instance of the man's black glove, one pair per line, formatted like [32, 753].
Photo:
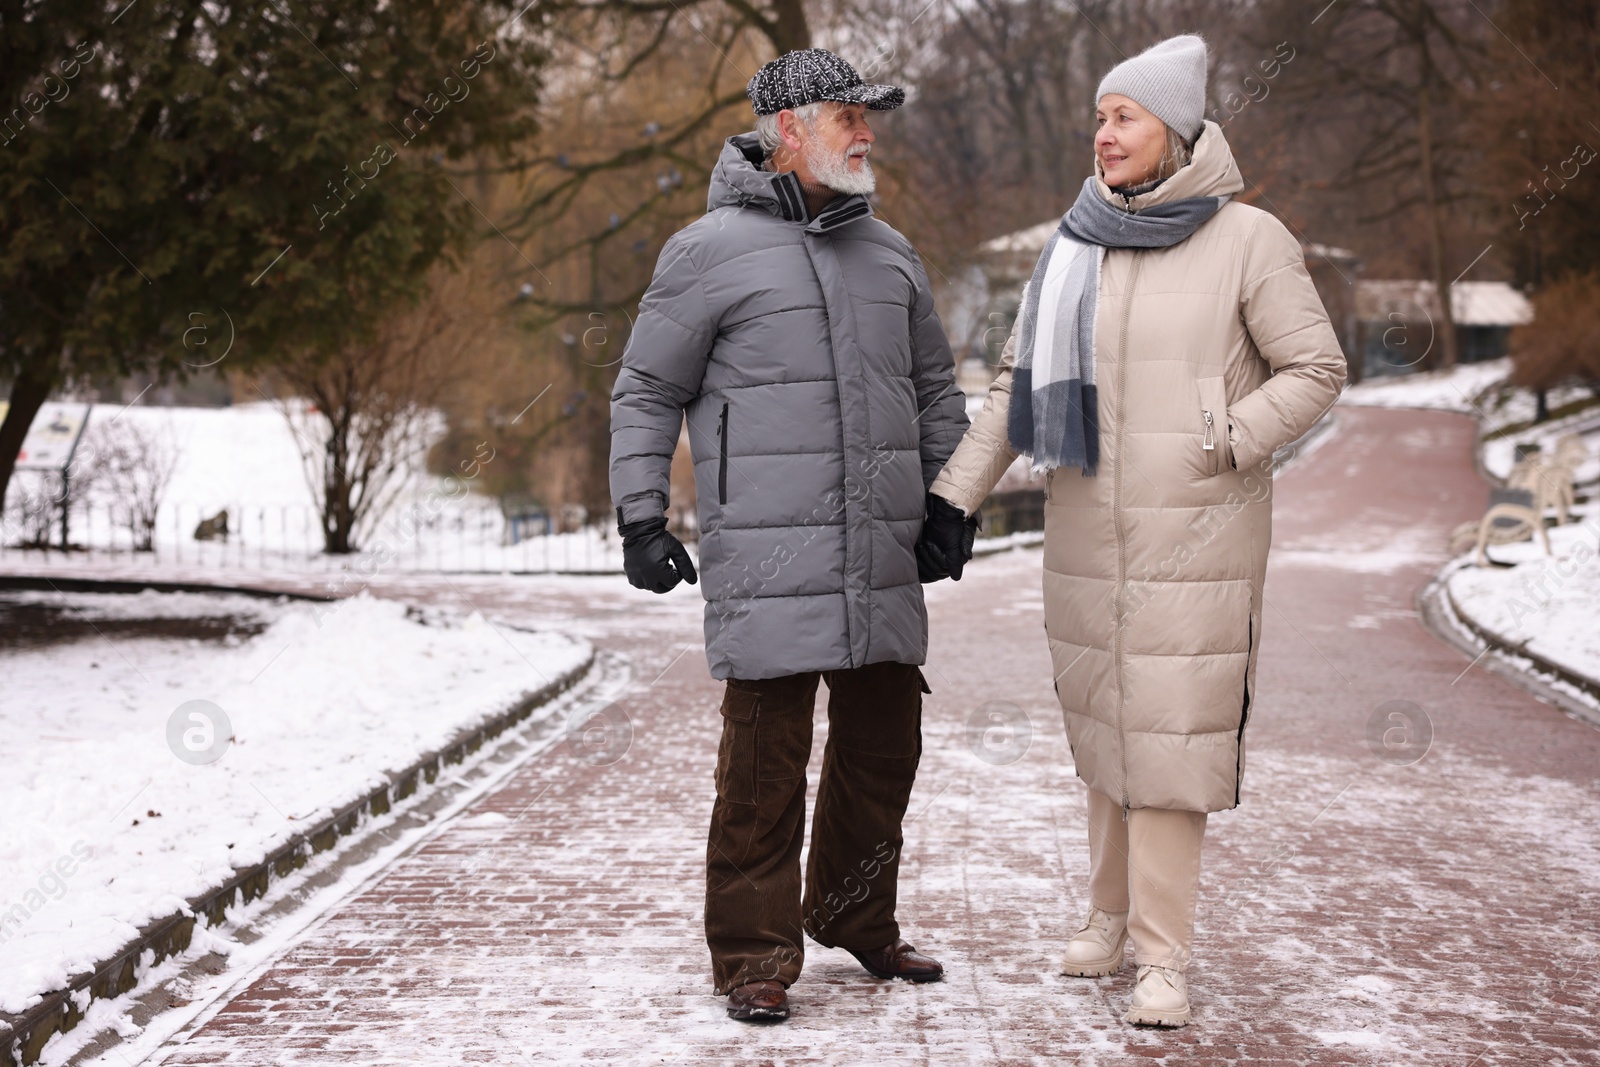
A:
[652, 558]
[946, 542]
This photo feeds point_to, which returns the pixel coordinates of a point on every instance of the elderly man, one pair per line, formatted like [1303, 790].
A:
[798, 335]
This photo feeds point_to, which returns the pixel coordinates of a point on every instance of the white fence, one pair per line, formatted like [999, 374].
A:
[286, 537]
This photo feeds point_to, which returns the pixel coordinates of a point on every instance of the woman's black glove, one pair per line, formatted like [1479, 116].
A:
[946, 542]
[652, 558]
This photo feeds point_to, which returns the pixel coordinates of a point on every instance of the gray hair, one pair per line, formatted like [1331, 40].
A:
[767, 125]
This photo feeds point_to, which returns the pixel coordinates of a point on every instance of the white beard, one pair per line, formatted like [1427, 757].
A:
[835, 173]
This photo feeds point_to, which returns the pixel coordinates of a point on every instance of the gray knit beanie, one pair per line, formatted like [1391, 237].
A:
[1168, 80]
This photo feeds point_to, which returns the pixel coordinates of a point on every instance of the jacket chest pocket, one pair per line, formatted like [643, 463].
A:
[1216, 455]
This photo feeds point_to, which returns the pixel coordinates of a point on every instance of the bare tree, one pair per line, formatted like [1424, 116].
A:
[363, 416]
[1377, 107]
[135, 465]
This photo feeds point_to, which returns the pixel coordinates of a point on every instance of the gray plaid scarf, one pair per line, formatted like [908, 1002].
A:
[1053, 415]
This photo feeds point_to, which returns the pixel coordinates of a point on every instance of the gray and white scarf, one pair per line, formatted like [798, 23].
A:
[1054, 416]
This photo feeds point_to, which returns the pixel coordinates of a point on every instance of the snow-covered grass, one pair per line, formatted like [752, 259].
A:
[108, 827]
[1549, 605]
[1455, 389]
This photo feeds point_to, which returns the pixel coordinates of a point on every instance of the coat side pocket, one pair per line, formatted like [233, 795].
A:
[736, 753]
[1216, 454]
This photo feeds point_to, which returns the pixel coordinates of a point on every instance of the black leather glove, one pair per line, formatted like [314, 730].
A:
[652, 558]
[946, 542]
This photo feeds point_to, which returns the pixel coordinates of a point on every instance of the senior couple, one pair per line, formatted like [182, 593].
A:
[1168, 342]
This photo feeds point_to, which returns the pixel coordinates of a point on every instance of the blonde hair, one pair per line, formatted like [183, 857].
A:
[1174, 157]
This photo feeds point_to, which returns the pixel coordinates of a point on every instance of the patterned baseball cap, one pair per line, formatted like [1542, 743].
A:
[813, 74]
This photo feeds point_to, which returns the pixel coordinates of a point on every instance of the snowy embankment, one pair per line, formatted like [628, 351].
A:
[115, 817]
[1456, 389]
[1548, 606]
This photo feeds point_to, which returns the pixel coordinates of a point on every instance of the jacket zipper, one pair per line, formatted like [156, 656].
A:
[722, 456]
[1210, 443]
[1244, 714]
[1116, 520]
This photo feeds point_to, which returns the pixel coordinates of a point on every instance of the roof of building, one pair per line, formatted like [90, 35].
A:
[1032, 239]
[1471, 303]
[1331, 253]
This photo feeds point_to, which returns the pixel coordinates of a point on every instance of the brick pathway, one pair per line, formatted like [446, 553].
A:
[1355, 909]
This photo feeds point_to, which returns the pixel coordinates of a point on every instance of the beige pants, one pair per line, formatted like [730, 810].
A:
[1148, 867]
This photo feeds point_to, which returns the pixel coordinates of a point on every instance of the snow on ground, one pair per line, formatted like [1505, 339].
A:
[1545, 603]
[108, 827]
[1450, 390]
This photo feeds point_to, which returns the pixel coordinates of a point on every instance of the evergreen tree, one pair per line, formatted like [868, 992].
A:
[275, 174]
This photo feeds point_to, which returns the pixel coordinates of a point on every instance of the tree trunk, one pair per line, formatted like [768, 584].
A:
[1446, 332]
[791, 31]
[28, 394]
[337, 524]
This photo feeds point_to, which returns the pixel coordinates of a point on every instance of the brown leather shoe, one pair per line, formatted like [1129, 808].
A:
[900, 960]
[758, 1001]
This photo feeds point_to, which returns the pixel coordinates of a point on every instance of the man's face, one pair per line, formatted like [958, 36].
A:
[831, 150]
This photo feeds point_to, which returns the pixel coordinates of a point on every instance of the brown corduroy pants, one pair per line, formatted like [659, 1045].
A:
[755, 914]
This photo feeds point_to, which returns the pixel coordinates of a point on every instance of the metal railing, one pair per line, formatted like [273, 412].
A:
[458, 539]
[290, 537]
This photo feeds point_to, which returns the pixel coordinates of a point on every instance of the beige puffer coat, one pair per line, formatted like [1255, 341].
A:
[1209, 356]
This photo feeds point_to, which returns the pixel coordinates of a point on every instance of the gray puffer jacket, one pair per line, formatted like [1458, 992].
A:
[821, 398]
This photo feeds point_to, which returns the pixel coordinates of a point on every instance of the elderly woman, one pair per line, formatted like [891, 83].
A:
[1169, 341]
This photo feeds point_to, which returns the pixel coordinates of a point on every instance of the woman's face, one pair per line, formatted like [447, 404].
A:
[1129, 141]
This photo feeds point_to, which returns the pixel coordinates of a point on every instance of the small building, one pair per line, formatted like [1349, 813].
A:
[1396, 322]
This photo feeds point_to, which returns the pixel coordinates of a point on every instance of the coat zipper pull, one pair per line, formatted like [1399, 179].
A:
[1210, 442]
[1124, 811]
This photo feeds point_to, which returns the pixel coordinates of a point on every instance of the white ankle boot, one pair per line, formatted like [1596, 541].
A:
[1160, 998]
[1096, 949]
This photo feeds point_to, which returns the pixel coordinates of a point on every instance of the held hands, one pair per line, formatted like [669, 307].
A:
[652, 558]
[946, 542]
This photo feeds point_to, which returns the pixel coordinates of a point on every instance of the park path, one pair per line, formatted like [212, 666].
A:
[1358, 908]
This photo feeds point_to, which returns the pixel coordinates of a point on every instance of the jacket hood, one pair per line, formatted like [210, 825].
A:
[739, 181]
[1212, 172]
